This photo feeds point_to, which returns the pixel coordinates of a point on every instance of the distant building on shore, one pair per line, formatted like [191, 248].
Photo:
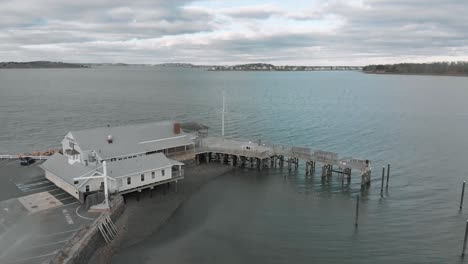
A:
[136, 157]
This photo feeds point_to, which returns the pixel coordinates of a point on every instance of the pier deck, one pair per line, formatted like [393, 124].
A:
[240, 152]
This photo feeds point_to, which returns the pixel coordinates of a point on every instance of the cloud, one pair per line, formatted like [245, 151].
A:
[254, 12]
[217, 32]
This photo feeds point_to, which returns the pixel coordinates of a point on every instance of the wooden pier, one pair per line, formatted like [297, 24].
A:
[256, 155]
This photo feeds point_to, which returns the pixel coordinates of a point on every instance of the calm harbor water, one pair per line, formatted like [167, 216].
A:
[417, 123]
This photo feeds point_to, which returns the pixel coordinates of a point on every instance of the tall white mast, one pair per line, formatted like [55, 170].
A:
[222, 117]
[106, 191]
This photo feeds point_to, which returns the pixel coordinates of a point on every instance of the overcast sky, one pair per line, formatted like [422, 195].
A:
[347, 32]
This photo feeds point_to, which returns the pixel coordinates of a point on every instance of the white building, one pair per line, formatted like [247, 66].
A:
[136, 158]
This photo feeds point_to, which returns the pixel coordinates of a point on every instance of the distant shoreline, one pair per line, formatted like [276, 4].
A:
[418, 74]
[41, 65]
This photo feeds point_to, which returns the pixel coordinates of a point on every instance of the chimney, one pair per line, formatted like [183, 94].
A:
[176, 128]
[109, 139]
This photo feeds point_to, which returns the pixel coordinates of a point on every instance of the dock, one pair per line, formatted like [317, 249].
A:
[260, 155]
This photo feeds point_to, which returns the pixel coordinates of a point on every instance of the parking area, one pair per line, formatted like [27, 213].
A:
[36, 217]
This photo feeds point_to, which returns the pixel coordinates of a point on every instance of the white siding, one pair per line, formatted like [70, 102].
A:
[136, 179]
[72, 190]
[95, 185]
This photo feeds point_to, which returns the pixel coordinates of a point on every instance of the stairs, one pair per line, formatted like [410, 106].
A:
[108, 229]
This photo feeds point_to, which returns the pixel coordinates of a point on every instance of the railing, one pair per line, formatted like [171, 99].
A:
[9, 156]
[176, 174]
[266, 149]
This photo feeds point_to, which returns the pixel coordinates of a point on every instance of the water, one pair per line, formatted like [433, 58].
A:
[418, 123]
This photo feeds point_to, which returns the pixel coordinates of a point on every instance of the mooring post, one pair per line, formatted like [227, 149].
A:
[383, 177]
[464, 240]
[462, 195]
[388, 174]
[357, 211]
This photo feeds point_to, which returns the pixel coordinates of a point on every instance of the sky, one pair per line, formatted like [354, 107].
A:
[282, 32]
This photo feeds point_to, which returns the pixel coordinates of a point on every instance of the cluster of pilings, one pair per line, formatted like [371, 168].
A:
[240, 160]
[276, 161]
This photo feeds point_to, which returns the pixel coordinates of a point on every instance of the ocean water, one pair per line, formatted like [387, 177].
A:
[419, 124]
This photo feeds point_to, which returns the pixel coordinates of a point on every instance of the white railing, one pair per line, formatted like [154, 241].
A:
[176, 174]
[10, 156]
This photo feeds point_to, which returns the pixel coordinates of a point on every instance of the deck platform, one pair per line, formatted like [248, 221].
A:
[244, 153]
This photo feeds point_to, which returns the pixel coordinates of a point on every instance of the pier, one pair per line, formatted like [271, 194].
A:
[259, 155]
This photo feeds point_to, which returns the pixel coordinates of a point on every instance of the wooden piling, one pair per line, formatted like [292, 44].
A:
[464, 240]
[357, 212]
[388, 174]
[462, 195]
[383, 178]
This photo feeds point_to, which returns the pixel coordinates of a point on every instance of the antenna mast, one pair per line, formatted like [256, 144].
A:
[222, 117]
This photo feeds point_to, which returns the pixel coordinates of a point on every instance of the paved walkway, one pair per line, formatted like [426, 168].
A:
[36, 217]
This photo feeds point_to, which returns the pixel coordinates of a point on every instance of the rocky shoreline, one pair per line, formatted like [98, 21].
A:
[146, 217]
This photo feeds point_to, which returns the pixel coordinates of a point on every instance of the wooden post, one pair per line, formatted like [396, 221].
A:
[388, 174]
[464, 240]
[357, 212]
[462, 195]
[383, 178]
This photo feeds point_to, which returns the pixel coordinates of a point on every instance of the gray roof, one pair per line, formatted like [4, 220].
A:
[139, 164]
[59, 166]
[131, 139]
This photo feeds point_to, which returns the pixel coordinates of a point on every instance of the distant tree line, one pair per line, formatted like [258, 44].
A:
[436, 68]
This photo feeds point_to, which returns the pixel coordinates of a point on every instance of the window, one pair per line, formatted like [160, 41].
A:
[153, 175]
[129, 180]
[102, 186]
[142, 177]
[162, 172]
[87, 188]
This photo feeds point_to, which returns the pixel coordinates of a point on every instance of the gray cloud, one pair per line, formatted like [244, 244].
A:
[335, 32]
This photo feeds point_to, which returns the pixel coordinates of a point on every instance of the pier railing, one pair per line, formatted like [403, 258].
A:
[10, 156]
[250, 148]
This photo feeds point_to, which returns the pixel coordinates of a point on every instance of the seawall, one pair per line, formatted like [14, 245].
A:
[146, 217]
